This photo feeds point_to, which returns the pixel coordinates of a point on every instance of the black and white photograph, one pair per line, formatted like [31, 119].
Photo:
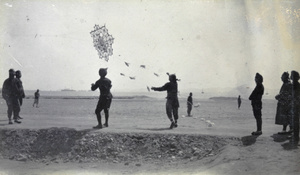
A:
[184, 87]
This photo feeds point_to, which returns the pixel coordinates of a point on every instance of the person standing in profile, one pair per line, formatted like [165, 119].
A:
[283, 111]
[104, 102]
[172, 103]
[256, 102]
[20, 89]
[239, 101]
[9, 94]
[295, 106]
[189, 104]
[36, 98]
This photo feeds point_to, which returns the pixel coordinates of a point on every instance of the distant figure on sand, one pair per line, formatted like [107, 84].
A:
[172, 104]
[189, 104]
[256, 103]
[36, 98]
[283, 112]
[104, 85]
[9, 94]
[239, 101]
[295, 105]
[20, 89]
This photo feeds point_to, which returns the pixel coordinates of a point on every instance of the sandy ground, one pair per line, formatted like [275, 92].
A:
[266, 154]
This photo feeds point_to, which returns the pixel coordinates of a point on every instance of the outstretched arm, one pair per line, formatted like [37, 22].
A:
[163, 88]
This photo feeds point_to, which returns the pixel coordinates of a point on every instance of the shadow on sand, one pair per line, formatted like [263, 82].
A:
[249, 140]
[280, 137]
[289, 146]
[154, 129]
[284, 137]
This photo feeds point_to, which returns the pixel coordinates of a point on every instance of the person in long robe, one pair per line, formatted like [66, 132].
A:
[283, 116]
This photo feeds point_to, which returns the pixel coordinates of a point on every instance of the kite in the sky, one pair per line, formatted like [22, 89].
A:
[122, 74]
[143, 66]
[132, 78]
[156, 74]
[102, 41]
[148, 88]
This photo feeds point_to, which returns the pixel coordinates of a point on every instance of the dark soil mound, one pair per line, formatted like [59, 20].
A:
[69, 145]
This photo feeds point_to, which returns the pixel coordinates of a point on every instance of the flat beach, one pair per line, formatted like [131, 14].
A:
[135, 124]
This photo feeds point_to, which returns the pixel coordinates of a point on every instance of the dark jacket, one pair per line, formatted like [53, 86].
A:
[104, 85]
[171, 88]
[257, 94]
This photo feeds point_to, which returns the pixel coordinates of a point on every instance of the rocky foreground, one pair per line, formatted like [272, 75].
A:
[69, 145]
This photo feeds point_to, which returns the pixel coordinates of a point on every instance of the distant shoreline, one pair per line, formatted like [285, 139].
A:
[87, 97]
[223, 98]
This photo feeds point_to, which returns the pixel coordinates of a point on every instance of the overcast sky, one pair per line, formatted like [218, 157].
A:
[208, 44]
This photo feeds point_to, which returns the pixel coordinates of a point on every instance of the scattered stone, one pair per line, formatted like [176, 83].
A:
[68, 145]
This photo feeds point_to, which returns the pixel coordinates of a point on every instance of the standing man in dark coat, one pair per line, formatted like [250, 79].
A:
[172, 104]
[9, 94]
[104, 85]
[256, 103]
[21, 93]
[295, 105]
[189, 104]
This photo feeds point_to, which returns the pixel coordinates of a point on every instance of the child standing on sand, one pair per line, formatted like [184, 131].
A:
[172, 104]
[104, 85]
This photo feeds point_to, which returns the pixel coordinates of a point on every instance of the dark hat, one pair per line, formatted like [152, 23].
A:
[172, 77]
[102, 72]
[11, 70]
[295, 75]
[259, 77]
[285, 74]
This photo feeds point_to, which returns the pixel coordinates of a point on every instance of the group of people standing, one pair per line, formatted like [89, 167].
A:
[287, 111]
[13, 93]
[288, 106]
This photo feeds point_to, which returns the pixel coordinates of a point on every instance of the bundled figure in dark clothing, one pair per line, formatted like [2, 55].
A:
[36, 98]
[189, 104]
[239, 100]
[283, 113]
[172, 104]
[295, 106]
[10, 95]
[104, 85]
[256, 103]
